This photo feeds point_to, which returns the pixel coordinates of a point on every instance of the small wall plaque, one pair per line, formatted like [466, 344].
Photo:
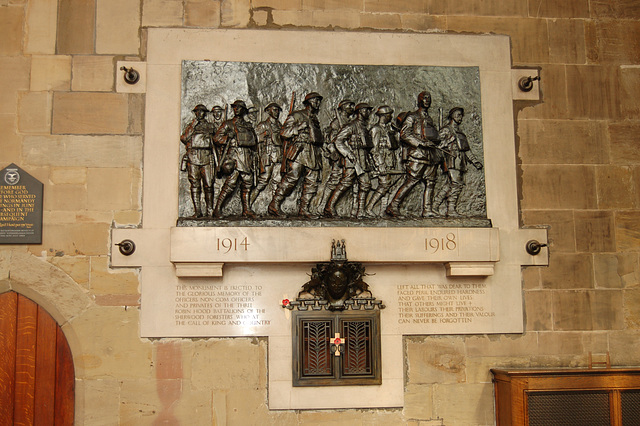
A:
[20, 207]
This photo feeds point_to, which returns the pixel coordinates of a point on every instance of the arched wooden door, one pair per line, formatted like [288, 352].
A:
[36, 368]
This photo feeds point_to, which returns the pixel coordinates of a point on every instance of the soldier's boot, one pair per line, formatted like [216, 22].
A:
[255, 193]
[393, 209]
[276, 202]
[427, 209]
[442, 195]
[225, 192]
[305, 201]
[195, 197]
[453, 201]
[375, 197]
[329, 186]
[208, 199]
[246, 206]
[323, 200]
[361, 213]
[330, 206]
[253, 196]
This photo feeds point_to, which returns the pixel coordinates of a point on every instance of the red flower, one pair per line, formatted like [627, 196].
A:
[285, 302]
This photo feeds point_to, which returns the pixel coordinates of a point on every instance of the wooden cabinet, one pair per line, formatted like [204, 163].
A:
[567, 397]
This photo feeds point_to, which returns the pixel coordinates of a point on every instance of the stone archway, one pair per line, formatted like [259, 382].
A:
[36, 367]
[56, 293]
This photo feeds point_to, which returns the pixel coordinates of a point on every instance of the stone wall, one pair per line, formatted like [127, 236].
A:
[579, 174]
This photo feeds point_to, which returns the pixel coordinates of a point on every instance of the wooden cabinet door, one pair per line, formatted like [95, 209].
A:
[36, 367]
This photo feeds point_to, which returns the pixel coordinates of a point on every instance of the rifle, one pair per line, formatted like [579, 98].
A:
[260, 148]
[285, 143]
[226, 145]
[257, 160]
[293, 101]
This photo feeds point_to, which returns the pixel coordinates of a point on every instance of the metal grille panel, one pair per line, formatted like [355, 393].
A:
[357, 360]
[357, 355]
[316, 356]
[568, 408]
[630, 407]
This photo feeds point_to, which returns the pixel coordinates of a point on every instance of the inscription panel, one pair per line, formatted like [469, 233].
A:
[228, 305]
[20, 207]
[442, 303]
[248, 302]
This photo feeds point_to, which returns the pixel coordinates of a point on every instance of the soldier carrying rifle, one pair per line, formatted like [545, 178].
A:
[197, 138]
[302, 139]
[269, 149]
[353, 142]
[238, 141]
[421, 138]
[458, 156]
[386, 161]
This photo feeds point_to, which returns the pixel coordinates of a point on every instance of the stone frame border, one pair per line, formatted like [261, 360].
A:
[161, 254]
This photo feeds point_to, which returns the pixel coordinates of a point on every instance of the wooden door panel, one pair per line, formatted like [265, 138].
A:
[45, 369]
[65, 382]
[36, 367]
[8, 319]
[25, 375]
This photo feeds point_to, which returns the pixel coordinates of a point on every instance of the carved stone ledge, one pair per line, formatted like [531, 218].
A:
[198, 269]
[469, 269]
[202, 252]
[213, 270]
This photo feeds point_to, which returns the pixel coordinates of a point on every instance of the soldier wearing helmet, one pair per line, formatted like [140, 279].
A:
[386, 161]
[354, 143]
[252, 115]
[269, 149]
[302, 141]
[344, 116]
[420, 136]
[198, 141]
[217, 115]
[237, 141]
[457, 158]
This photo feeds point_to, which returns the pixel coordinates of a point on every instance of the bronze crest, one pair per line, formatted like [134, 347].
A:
[335, 286]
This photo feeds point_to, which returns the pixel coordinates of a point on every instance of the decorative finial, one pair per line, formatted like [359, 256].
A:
[338, 250]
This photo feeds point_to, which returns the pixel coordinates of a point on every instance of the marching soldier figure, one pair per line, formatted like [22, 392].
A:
[385, 156]
[217, 119]
[302, 142]
[458, 155]
[354, 143]
[197, 138]
[344, 116]
[269, 149]
[421, 137]
[252, 115]
[238, 141]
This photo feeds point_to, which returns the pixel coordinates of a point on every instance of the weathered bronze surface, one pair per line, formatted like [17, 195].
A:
[336, 326]
[322, 145]
[335, 286]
